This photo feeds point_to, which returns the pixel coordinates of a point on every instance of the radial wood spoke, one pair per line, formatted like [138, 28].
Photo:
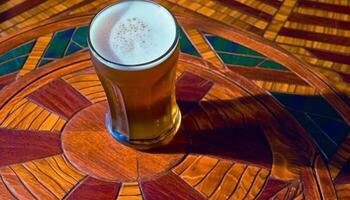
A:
[91, 188]
[24, 145]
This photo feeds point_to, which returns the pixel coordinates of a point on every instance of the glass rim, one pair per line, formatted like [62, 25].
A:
[170, 50]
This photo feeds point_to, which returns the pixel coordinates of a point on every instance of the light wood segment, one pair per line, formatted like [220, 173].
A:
[45, 180]
[130, 191]
[5, 193]
[10, 4]
[334, 2]
[278, 20]
[61, 167]
[198, 170]
[340, 158]
[203, 47]
[64, 180]
[59, 125]
[343, 191]
[88, 85]
[36, 54]
[287, 88]
[260, 5]
[15, 186]
[245, 182]
[38, 121]
[313, 44]
[39, 190]
[66, 166]
[186, 163]
[258, 184]
[93, 6]
[214, 178]
[224, 14]
[35, 15]
[324, 179]
[229, 182]
[14, 118]
[317, 29]
[49, 122]
[28, 115]
[322, 13]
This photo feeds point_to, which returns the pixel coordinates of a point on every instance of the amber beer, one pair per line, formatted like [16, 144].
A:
[135, 47]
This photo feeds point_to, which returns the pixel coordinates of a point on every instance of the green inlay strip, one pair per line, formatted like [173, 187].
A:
[240, 60]
[18, 51]
[12, 66]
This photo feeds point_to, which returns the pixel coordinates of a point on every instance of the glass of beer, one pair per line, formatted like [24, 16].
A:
[135, 48]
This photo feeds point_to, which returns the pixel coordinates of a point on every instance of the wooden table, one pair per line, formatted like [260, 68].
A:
[258, 122]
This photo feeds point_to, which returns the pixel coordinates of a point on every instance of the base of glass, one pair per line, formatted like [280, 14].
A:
[161, 140]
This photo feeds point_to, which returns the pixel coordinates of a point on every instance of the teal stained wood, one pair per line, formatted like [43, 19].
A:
[80, 35]
[21, 50]
[236, 54]
[186, 46]
[239, 60]
[12, 65]
[58, 44]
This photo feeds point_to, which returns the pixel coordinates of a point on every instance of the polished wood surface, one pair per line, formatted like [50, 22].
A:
[262, 86]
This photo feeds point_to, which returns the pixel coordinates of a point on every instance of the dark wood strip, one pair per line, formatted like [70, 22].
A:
[169, 186]
[268, 75]
[333, 39]
[322, 21]
[345, 77]
[274, 3]
[247, 10]
[271, 188]
[60, 97]
[327, 55]
[18, 9]
[344, 175]
[255, 30]
[190, 89]
[324, 6]
[3, 1]
[8, 78]
[23, 145]
[92, 188]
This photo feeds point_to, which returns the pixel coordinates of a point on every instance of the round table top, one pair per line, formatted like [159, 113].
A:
[260, 84]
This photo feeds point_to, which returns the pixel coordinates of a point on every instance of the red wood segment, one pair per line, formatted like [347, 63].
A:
[324, 6]
[268, 75]
[309, 19]
[271, 188]
[326, 55]
[169, 186]
[249, 10]
[91, 188]
[22, 145]
[18, 9]
[190, 89]
[6, 79]
[61, 98]
[307, 35]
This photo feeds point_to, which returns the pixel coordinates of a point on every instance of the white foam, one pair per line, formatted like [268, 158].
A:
[133, 33]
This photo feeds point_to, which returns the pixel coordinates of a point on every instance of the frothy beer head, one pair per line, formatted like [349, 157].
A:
[133, 34]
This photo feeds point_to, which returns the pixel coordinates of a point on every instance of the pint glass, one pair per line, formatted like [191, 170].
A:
[140, 86]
